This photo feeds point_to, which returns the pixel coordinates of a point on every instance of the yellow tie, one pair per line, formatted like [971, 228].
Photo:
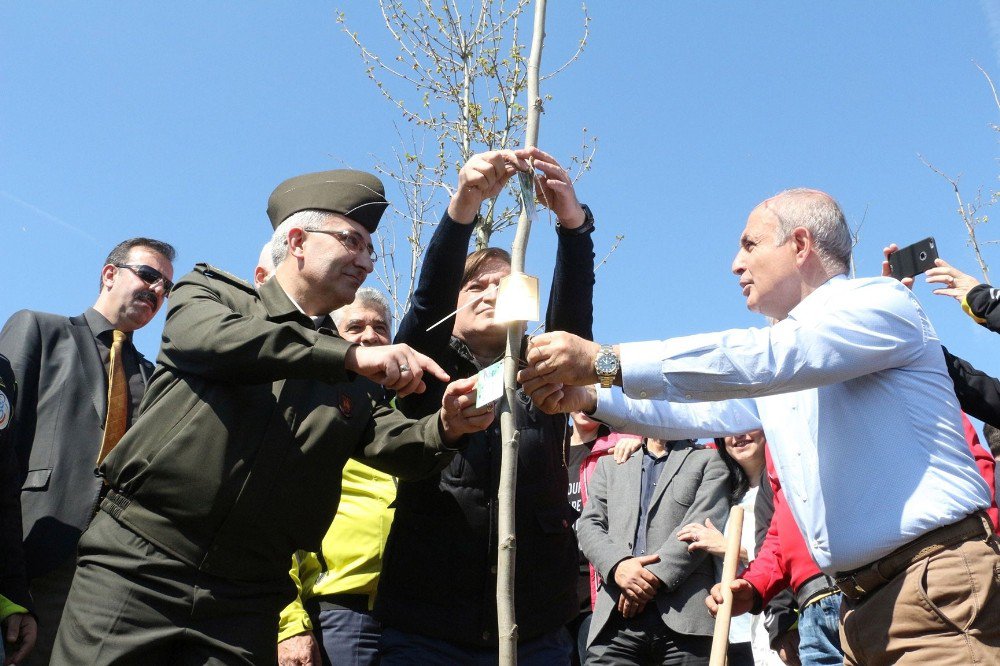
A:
[117, 423]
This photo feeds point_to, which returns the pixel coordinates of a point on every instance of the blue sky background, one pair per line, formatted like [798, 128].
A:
[176, 120]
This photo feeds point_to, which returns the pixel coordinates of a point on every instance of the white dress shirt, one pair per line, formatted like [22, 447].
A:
[852, 392]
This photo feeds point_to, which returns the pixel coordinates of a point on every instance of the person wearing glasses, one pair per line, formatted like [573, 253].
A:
[256, 405]
[63, 366]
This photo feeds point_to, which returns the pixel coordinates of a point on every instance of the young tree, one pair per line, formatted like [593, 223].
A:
[972, 212]
[458, 78]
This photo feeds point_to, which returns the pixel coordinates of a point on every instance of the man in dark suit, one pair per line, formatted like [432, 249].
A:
[650, 606]
[62, 366]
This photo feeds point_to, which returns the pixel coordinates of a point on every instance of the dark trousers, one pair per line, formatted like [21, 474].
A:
[49, 594]
[644, 639]
[400, 648]
[345, 635]
[132, 603]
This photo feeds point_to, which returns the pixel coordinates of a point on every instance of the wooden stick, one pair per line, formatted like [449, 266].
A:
[720, 640]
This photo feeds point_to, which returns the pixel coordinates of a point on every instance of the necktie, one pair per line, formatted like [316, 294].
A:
[117, 422]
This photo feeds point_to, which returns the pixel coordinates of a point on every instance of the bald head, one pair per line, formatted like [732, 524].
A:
[819, 213]
[265, 266]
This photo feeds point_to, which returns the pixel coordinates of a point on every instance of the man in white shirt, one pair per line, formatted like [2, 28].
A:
[848, 366]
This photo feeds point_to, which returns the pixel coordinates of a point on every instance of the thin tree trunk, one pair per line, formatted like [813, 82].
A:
[506, 538]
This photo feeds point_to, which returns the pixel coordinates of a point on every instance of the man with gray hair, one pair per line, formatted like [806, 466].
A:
[847, 367]
[255, 408]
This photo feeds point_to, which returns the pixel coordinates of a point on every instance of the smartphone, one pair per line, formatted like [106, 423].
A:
[913, 259]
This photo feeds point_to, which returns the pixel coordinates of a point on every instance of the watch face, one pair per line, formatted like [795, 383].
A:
[606, 364]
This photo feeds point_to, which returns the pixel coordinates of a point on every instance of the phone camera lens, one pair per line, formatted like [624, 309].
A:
[923, 256]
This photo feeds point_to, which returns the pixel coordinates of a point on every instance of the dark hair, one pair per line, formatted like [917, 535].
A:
[739, 483]
[474, 262]
[119, 254]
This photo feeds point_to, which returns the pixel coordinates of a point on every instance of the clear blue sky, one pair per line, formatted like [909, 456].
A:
[177, 119]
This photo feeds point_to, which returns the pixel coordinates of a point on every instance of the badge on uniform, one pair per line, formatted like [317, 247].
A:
[5, 410]
[346, 406]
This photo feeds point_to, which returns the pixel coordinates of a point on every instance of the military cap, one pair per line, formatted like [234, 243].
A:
[354, 194]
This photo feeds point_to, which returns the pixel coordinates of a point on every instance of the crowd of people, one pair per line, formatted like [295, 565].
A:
[287, 484]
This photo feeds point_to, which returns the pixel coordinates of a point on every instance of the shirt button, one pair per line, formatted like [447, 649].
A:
[687, 395]
[642, 394]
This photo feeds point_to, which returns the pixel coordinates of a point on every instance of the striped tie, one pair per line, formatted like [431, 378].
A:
[117, 423]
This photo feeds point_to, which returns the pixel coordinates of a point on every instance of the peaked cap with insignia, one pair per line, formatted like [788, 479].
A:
[354, 194]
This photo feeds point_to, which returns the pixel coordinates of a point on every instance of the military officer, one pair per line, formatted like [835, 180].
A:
[235, 460]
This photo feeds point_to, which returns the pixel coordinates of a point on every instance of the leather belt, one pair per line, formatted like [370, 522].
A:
[814, 589]
[859, 583]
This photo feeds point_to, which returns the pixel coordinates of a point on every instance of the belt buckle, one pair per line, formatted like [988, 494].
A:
[854, 591]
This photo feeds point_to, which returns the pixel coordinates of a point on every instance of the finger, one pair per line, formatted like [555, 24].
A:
[536, 354]
[649, 578]
[541, 390]
[391, 373]
[481, 422]
[413, 385]
[889, 249]
[427, 364]
[528, 374]
[708, 523]
[517, 159]
[539, 154]
[462, 388]
[907, 282]
[713, 605]
[648, 559]
[13, 628]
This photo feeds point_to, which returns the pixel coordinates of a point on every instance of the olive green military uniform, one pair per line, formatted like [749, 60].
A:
[233, 465]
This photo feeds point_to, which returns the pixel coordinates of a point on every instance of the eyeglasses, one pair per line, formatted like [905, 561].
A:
[351, 240]
[149, 275]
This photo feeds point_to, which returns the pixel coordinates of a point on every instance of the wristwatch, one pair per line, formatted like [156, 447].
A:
[606, 364]
[585, 228]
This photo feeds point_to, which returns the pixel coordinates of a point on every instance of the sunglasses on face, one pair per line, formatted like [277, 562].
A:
[351, 240]
[149, 275]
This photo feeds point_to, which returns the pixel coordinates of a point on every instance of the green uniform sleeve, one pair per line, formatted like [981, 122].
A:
[218, 331]
[294, 619]
[405, 448]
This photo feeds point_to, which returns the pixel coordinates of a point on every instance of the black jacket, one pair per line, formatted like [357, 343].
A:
[984, 304]
[439, 573]
[13, 579]
[978, 393]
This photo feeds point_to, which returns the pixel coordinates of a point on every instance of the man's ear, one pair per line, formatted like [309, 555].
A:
[296, 237]
[108, 276]
[804, 244]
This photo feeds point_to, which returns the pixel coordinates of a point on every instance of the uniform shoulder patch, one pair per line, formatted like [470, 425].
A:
[212, 272]
[5, 411]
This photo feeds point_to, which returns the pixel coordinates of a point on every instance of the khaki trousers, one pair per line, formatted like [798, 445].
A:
[944, 609]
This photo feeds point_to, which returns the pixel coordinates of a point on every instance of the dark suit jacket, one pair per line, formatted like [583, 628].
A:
[693, 486]
[59, 425]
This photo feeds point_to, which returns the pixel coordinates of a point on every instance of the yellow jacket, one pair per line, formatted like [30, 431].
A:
[351, 556]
